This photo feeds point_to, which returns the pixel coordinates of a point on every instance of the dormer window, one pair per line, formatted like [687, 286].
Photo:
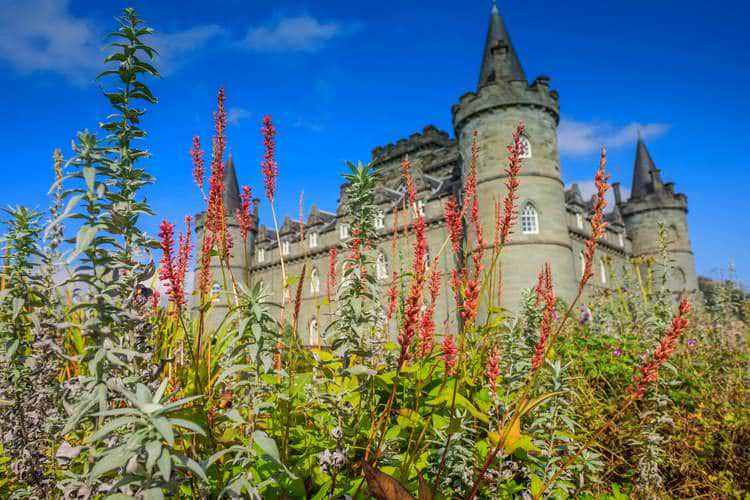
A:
[313, 333]
[529, 220]
[286, 248]
[381, 267]
[579, 220]
[314, 282]
[418, 208]
[344, 231]
[313, 240]
[380, 219]
[525, 147]
[261, 255]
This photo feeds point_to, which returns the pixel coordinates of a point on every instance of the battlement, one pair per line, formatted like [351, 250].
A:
[430, 138]
[505, 94]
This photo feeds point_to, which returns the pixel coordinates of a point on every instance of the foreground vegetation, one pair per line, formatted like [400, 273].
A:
[109, 390]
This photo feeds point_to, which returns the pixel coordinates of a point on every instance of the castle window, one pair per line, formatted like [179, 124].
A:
[313, 336]
[313, 240]
[579, 220]
[314, 282]
[344, 231]
[286, 248]
[380, 219]
[621, 239]
[582, 262]
[261, 255]
[529, 220]
[603, 271]
[381, 267]
[418, 208]
[525, 147]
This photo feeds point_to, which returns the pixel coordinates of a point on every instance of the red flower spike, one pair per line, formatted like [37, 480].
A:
[648, 373]
[268, 165]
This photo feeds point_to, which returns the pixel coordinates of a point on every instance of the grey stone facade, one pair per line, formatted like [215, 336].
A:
[503, 98]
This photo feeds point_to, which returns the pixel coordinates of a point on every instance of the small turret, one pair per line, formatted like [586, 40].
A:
[652, 204]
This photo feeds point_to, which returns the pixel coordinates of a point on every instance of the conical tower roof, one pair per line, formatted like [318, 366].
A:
[499, 61]
[232, 199]
[646, 177]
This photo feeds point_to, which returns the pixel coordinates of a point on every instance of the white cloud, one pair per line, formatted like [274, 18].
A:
[42, 35]
[236, 114]
[174, 46]
[583, 138]
[296, 33]
[588, 189]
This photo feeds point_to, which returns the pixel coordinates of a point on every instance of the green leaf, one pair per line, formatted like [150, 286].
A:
[165, 429]
[267, 444]
[153, 494]
[188, 425]
[113, 459]
[153, 451]
[165, 464]
[110, 426]
[84, 238]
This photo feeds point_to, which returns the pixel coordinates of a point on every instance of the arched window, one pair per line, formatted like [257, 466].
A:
[525, 147]
[313, 334]
[582, 262]
[603, 271]
[621, 239]
[381, 267]
[579, 220]
[380, 219]
[314, 281]
[529, 220]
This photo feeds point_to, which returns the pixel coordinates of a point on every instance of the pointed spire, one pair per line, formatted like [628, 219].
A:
[232, 199]
[499, 61]
[646, 177]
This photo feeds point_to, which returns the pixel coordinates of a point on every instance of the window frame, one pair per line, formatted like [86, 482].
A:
[312, 239]
[344, 231]
[527, 153]
[522, 219]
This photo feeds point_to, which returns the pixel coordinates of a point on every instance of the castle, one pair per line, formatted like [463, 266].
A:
[552, 223]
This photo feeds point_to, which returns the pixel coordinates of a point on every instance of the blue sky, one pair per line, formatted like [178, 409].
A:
[342, 77]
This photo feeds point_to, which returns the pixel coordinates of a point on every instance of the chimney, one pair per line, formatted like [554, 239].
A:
[618, 194]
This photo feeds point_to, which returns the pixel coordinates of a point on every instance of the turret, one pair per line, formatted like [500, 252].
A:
[653, 203]
[503, 99]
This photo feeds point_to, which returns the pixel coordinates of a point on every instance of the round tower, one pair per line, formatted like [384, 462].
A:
[503, 99]
[652, 205]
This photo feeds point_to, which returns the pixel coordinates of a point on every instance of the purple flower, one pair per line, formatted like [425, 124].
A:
[586, 315]
[617, 352]
[691, 342]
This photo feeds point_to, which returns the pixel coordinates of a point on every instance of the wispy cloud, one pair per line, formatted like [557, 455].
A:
[577, 138]
[175, 46]
[236, 114]
[42, 35]
[302, 33]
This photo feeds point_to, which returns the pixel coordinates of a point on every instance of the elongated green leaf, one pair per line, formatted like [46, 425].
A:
[165, 429]
[267, 444]
[111, 426]
[113, 459]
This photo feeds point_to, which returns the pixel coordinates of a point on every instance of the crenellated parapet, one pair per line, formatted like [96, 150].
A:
[431, 138]
[502, 94]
